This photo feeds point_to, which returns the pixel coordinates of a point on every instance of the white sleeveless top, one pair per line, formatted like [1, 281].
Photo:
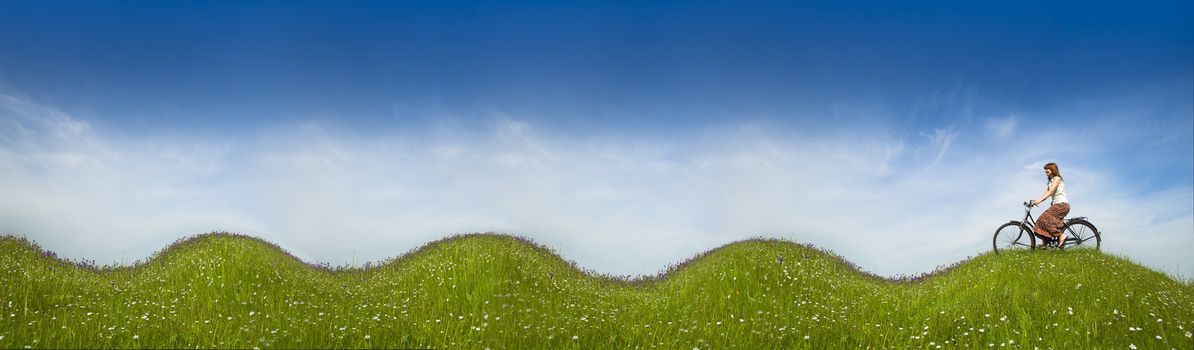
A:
[1059, 195]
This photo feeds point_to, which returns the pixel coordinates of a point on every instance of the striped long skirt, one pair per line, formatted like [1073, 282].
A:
[1050, 222]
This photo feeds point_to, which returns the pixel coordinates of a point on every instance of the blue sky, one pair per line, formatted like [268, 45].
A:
[588, 125]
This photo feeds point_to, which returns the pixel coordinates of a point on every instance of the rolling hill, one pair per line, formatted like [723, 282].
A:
[497, 291]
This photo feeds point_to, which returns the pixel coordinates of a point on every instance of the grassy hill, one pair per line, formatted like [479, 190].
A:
[496, 291]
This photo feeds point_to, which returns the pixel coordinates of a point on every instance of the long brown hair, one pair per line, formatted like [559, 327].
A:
[1053, 169]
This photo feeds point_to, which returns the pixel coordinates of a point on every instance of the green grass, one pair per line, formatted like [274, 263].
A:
[496, 291]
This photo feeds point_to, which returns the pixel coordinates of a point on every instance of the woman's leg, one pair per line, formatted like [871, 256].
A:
[1062, 210]
[1040, 231]
[1048, 222]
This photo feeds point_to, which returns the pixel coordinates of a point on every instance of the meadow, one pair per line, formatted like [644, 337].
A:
[496, 291]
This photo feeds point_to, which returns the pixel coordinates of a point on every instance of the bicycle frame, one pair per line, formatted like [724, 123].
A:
[1028, 223]
[1031, 224]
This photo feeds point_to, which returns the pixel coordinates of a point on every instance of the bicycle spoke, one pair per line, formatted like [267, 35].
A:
[1081, 232]
[1012, 237]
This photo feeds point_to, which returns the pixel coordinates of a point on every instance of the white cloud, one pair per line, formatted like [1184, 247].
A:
[613, 204]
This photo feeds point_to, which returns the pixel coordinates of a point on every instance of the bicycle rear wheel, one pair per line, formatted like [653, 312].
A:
[1013, 236]
[1082, 235]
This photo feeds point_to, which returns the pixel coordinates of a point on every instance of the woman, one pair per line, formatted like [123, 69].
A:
[1050, 222]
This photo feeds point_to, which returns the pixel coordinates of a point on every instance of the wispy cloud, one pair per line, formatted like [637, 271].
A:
[612, 204]
[939, 141]
[1001, 128]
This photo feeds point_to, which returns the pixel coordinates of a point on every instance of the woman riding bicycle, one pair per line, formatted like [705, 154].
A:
[1050, 223]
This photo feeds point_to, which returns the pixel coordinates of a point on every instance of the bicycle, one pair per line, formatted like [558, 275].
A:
[1017, 235]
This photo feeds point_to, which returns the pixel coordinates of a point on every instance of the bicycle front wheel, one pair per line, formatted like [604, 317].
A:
[1013, 236]
[1082, 235]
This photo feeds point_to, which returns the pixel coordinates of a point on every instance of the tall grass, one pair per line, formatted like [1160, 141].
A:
[496, 291]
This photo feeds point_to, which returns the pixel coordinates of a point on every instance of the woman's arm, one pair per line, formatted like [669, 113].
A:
[1049, 192]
